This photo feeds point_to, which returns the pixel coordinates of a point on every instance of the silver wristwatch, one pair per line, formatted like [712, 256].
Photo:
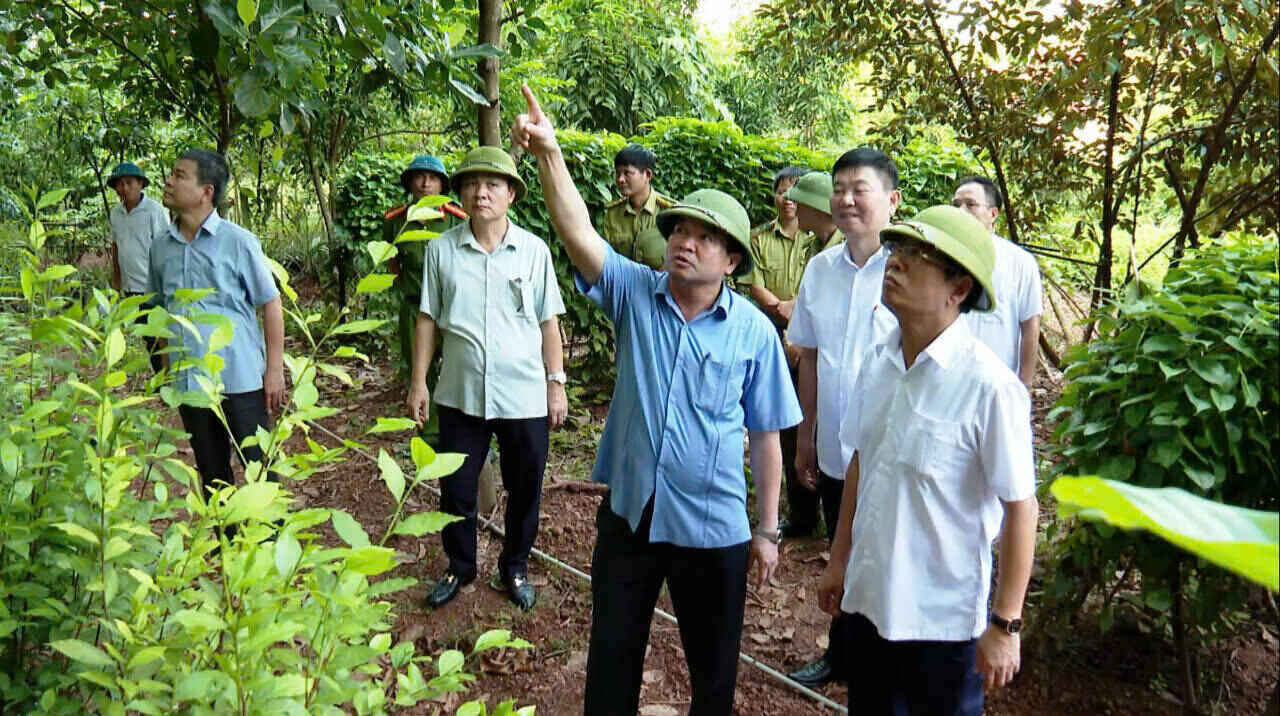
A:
[560, 378]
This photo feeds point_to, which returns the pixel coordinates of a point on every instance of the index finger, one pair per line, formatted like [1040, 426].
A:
[535, 109]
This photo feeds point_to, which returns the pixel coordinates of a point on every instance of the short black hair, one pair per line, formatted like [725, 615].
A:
[634, 155]
[211, 169]
[994, 197]
[791, 172]
[953, 270]
[869, 157]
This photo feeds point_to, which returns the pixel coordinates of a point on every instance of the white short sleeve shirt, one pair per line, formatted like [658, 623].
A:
[939, 447]
[489, 308]
[133, 232]
[838, 312]
[1019, 296]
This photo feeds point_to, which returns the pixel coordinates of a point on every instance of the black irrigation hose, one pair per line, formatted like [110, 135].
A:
[493, 527]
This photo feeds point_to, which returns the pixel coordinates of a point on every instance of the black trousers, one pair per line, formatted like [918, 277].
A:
[245, 412]
[831, 490]
[934, 678]
[522, 448]
[152, 343]
[708, 589]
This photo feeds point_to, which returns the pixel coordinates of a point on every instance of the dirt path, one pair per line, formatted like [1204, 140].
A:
[1121, 673]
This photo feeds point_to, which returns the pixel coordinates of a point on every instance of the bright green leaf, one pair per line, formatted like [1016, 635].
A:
[247, 10]
[348, 529]
[424, 523]
[375, 283]
[449, 661]
[82, 652]
[391, 425]
[422, 453]
[115, 347]
[392, 475]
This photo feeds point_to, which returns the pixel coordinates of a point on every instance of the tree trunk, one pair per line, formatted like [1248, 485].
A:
[1181, 644]
[490, 116]
[1102, 278]
[341, 258]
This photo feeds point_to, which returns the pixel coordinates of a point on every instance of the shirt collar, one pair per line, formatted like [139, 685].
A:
[880, 255]
[513, 238]
[650, 204]
[950, 345]
[720, 309]
[209, 228]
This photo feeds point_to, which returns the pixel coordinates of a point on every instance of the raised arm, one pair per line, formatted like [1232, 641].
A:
[569, 216]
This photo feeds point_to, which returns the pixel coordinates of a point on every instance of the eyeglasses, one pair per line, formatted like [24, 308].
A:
[968, 204]
[907, 248]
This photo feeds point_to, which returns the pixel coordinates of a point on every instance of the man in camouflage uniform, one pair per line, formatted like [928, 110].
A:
[780, 250]
[629, 223]
[424, 176]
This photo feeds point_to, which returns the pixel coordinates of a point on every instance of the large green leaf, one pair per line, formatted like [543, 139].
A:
[1244, 541]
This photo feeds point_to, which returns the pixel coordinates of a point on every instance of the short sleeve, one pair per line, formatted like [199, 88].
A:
[618, 279]
[258, 280]
[1007, 456]
[756, 276]
[801, 330]
[769, 399]
[1032, 299]
[159, 224]
[550, 304]
[431, 301]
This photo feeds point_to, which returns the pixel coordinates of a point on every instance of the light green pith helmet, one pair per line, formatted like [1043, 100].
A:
[957, 234]
[813, 190]
[492, 160]
[719, 210]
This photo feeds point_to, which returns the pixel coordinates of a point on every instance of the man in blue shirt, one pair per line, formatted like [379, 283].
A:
[202, 250]
[698, 365]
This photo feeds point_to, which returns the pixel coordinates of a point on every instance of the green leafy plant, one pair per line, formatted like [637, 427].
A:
[1178, 390]
[123, 586]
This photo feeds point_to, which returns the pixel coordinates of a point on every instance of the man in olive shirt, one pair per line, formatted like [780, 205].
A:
[425, 176]
[780, 250]
[629, 223]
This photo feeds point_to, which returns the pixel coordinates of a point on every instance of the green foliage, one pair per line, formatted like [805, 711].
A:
[628, 62]
[122, 587]
[1246, 542]
[1178, 390]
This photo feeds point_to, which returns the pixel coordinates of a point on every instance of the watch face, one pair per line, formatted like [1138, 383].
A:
[1015, 626]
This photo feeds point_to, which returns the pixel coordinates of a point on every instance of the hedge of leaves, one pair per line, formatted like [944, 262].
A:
[1178, 390]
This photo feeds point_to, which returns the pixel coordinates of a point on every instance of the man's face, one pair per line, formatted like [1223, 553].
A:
[632, 181]
[916, 283]
[973, 198]
[486, 196]
[786, 208]
[698, 253]
[862, 203]
[425, 184]
[810, 219]
[129, 189]
[183, 190]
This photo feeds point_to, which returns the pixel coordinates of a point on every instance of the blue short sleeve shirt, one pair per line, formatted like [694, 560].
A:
[228, 259]
[686, 393]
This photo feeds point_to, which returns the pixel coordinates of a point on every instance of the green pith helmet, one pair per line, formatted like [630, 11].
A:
[127, 169]
[492, 160]
[813, 190]
[424, 163]
[957, 234]
[716, 209]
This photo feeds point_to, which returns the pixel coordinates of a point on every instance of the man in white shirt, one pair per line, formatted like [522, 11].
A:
[944, 456]
[838, 317]
[135, 222]
[1013, 329]
[489, 292]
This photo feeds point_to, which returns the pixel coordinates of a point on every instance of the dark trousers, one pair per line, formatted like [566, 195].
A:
[910, 677]
[245, 412]
[830, 490]
[152, 343]
[708, 590]
[522, 448]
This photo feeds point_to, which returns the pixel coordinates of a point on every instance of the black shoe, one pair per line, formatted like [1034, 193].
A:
[789, 531]
[446, 589]
[816, 673]
[520, 592]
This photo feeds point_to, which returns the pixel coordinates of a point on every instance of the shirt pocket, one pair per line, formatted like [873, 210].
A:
[521, 293]
[936, 450]
[719, 386]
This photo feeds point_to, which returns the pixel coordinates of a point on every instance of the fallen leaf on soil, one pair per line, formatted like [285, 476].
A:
[652, 676]
[658, 710]
[577, 662]
[822, 641]
[759, 638]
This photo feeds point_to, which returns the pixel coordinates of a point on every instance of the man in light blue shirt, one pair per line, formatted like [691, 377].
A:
[698, 366]
[201, 250]
[135, 224]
